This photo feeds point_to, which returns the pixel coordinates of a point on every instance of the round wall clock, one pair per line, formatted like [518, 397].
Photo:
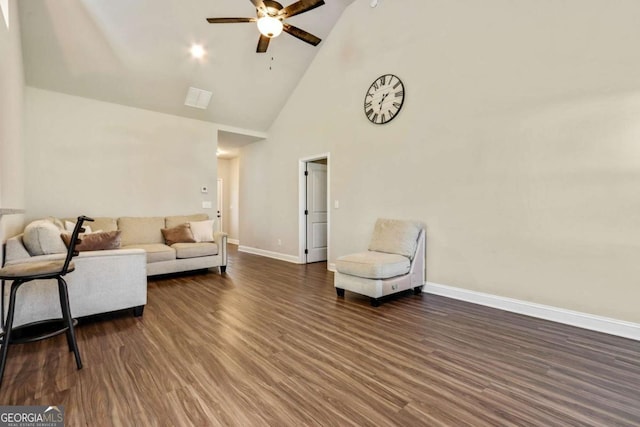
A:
[384, 99]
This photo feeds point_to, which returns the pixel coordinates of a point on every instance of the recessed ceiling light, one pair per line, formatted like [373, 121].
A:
[197, 51]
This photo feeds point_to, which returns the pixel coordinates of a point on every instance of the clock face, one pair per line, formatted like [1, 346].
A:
[384, 99]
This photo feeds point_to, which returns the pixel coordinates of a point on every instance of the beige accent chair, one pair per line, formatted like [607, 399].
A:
[395, 262]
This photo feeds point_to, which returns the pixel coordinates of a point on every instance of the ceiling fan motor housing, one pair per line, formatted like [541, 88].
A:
[271, 8]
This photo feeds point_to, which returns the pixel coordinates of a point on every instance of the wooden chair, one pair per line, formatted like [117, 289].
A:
[22, 273]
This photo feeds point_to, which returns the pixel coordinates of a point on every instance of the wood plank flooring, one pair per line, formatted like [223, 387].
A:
[270, 344]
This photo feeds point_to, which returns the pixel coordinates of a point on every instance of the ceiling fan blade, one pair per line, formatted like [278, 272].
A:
[301, 34]
[300, 7]
[229, 20]
[263, 44]
[256, 3]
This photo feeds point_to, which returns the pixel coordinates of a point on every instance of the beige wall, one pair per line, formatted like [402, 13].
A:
[96, 158]
[518, 145]
[11, 117]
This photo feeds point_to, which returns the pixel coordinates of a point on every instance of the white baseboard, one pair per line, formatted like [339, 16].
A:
[575, 318]
[269, 254]
[233, 241]
[331, 266]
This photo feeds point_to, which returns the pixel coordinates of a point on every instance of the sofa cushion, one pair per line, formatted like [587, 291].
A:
[70, 226]
[178, 234]
[104, 223]
[373, 265]
[172, 221]
[99, 241]
[141, 230]
[394, 236]
[195, 250]
[156, 252]
[42, 237]
[99, 223]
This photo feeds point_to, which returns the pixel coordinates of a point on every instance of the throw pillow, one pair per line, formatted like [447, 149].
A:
[42, 237]
[178, 234]
[69, 226]
[96, 241]
[172, 221]
[202, 230]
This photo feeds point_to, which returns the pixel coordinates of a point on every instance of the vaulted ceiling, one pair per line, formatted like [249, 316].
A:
[136, 53]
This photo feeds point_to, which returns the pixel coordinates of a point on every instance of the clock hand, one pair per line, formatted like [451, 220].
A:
[382, 100]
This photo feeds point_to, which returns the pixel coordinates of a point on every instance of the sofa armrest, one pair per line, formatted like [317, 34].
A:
[220, 238]
[219, 235]
[15, 250]
[82, 255]
[110, 253]
[102, 281]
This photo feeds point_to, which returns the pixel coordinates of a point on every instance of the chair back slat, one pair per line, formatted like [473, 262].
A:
[71, 251]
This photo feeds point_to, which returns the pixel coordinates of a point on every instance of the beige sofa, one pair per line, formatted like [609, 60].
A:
[145, 233]
[111, 280]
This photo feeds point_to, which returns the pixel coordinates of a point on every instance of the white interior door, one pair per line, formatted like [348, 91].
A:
[220, 206]
[316, 212]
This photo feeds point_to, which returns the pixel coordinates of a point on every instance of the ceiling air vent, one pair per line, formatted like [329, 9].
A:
[197, 98]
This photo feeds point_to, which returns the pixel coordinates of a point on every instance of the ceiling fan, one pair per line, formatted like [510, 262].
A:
[270, 19]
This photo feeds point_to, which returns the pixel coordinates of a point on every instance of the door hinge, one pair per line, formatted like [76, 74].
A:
[306, 173]
[306, 251]
[306, 212]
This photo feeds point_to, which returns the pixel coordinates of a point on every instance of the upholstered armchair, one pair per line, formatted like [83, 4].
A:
[394, 262]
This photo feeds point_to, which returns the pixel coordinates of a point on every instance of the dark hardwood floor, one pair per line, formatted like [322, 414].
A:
[270, 344]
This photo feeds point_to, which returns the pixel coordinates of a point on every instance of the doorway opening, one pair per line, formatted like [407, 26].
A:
[314, 209]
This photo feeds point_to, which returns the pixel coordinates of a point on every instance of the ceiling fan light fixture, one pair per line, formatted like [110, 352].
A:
[270, 26]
